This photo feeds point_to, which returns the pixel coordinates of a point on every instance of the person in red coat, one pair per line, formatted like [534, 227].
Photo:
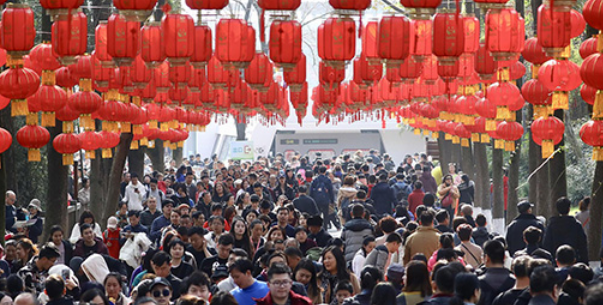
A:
[415, 198]
[280, 283]
[111, 237]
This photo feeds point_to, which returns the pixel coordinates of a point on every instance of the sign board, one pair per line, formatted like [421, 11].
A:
[319, 141]
[241, 150]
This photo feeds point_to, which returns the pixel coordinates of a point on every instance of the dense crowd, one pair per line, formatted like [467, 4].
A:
[351, 229]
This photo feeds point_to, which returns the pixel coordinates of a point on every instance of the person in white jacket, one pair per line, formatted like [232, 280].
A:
[134, 194]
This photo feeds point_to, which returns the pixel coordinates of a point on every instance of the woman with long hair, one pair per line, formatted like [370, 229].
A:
[291, 181]
[368, 244]
[446, 249]
[384, 293]
[241, 235]
[417, 285]
[369, 278]
[180, 268]
[25, 251]
[219, 193]
[305, 273]
[466, 289]
[448, 194]
[86, 217]
[275, 233]
[584, 215]
[334, 270]
[113, 289]
[64, 246]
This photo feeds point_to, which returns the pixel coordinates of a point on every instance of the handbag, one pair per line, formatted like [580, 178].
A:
[447, 200]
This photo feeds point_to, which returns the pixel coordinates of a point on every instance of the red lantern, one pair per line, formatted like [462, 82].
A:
[151, 42]
[197, 80]
[393, 41]
[33, 137]
[6, 139]
[549, 132]
[588, 47]
[140, 74]
[259, 72]
[502, 94]
[560, 76]
[448, 37]
[421, 42]
[59, 7]
[18, 84]
[70, 37]
[410, 70]
[178, 37]
[578, 23]
[66, 78]
[509, 132]
[138, 10]
[180, 75]
[505, 33]
[90, 141]
[18, 32]
[337, 41]
[67, 144]
[588, 94]
[43, 57]
[592, 135]
[538, 95]
[203, 46]
[365, 73]
[217, 76]
[330, 76]
[100, 50]
[593, 13]
[554, 29]
[109, 140]
[234, 41]
[296, 78]
[122, 39]
[534, 53]
[285, 43]
[279, 5]
[484, 63]
[491, 4]
[356, 5]
[421, 9]
[50, 99]
[206, 4]
[471, 29]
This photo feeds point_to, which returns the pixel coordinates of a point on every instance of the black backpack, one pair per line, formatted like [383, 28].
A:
[320, 194]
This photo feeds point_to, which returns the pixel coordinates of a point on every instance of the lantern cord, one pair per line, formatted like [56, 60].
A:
[538, 168]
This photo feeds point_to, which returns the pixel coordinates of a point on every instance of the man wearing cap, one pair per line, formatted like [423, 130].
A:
[135, 193]
[161, 291]
[163, 220]
[35, 271]
[395, 275]
[111, 237]
[35, 230]
[515, 229]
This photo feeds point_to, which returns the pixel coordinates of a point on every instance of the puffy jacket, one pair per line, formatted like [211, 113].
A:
[424, 240]
[383, 198]
[566, 230]
[294, 299]
[377, 257]
[514, 235]
[481, 236]
[354, 232]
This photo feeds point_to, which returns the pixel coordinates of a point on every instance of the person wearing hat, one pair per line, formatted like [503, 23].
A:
[317, 231]
[395, 275]
[515, 229]
[112, 235]
[162, 221]
[161, 291]
[35, 230]
[33, 273]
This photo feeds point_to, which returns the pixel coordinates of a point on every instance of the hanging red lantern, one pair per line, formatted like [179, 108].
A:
[285, 43]
[330, 76]
[151, 42]
[90, 141]
[591, 134]
[203, 46]
[206, 5]
[109, 140]
[259, 72]
[70, 37]
[138, 10]
[140, 74]
[421, 9]
[365, 73]
[369, 41]
[51, 99]
[178, 37]
[66, 78]
[100, 49]
[410, 70]
[509, 132]
[578, 23]
[393, 41]
[233, 43]
[180, 75]
[337, 41]
[18, 32]
[486, 109]
[296, 78]
[588, 94]
[588, 47]
[33, 137]
[533, 52]
[17, 84]
[421, 42]
[356, 5]
[217, 76]
[505, 33]
[448, 37]
[517, 70]
[196, 82]
[6, 139]
[122, 39]
[67, 144]
[501, 94]
[472, 31]
[554, 29]
[59, 7]
[491, 4]
[42, 56]
[547, 132]
[560, 76]
[484, 64]
[538, 95]
[592, 12]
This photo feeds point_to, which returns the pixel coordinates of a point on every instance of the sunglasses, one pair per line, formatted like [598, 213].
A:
[158, 293]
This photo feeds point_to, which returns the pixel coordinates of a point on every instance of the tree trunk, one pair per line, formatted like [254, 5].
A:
[558, 182]
[482, 181]
[114, 178]
[241, 127]
[468, 161]
[545, 207]
[513, 183]
[444, 148]
[498, 206]
[455, 154]
[596, 208]
[56, 204]
[99, 171]
[136, 161]
[177, 155]
[156, 156]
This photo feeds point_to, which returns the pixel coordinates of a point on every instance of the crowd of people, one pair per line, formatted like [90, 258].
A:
[352, 229]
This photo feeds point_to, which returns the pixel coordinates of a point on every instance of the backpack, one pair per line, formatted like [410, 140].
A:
[314, 254]
[400, 191]
[320, 194]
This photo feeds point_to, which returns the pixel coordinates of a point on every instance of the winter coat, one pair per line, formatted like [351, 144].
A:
[429, 183]
[306, 204]
[481, 236]
[314, 191]
[424, 240]
[294, 299]
[377, 257]
[353, 234]
[514, 235]
[564, 230]
[383, 198]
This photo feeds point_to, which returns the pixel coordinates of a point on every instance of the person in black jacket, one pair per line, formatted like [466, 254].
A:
[566, 230]
[515, 229]
[64, 246]
[304, 203]
[322, 192]
[383, 197]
